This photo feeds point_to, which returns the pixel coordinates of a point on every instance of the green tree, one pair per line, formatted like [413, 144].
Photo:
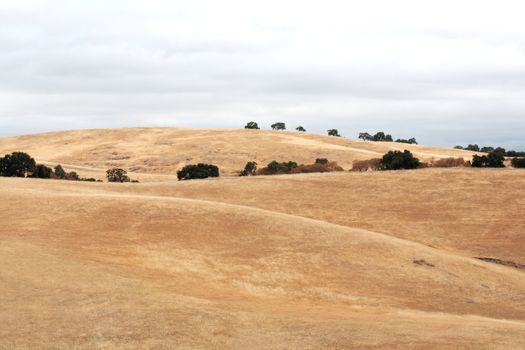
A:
[382, 137]
[366, 136]
[252, 125]
[249, 169]
[17, 164]
[198, 171]
[117, 175]
[396, 160]
[278, 126]
[474, 148]
[493, 159]
[409, 141]
[42, 172]
[60, 172]
[333, 132]
[284, 167]
[518, 162]
[300, 129]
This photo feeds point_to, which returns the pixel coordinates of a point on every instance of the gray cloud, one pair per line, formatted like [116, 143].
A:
[443, 73]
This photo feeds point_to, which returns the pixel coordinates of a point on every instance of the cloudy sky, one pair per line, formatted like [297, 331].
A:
[446, 72]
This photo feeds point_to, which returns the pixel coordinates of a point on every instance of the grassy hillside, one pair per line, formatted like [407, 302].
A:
[165, 150]
[311, 261]
[84, 267]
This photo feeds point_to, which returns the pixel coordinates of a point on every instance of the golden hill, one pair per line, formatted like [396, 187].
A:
[312, 261]
[165, 150]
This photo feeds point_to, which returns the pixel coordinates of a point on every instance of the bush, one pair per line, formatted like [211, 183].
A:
[17, 164]
[249, 169]
[474, 148]
[290, 167]
[321, 161]
[364, 165]
[284, 167]
[316, 168]
[515, 154]
[396, 160]
[381, 137]
[198, 171]
[449, 162]
[252, 125]
[72, 176]
[411, 141]
[117, 175]
[494, 159]
[60, 172]
[333, 132]
[300, 129]
[42, 172]
[518, 162]
[279, 126]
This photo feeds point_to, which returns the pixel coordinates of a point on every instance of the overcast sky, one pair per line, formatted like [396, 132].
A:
[446, 72]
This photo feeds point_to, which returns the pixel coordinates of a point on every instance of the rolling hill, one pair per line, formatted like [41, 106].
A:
[338, 261]
[165, 150]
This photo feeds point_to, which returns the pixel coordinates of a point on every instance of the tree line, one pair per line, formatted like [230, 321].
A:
[21, 164]
[365, 136]
[282, 126]
[488, 149]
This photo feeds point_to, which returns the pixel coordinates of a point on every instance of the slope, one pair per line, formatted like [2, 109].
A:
[165, 150]
[87, 267]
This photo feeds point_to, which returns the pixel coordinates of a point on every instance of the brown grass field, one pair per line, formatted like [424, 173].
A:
[375, 260]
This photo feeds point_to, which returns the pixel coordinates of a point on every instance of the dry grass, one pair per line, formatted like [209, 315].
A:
[341, 260]
[165, 150]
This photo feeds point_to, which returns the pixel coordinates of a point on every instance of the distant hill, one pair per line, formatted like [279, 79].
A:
[165, 150]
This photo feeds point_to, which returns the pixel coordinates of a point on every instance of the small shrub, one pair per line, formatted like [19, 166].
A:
[60, 172]
[449, 162]
[278, 126]
[284, 167]
[300, 129]
[396, 160]
[333, 132]
[411, 141]
[249, 169]
[72, 176]
[252, 125]
[365, 165]
[321, 161]
[316, 168]
[275, 168]
[117, 175]
[518, 162]
[198, 171]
